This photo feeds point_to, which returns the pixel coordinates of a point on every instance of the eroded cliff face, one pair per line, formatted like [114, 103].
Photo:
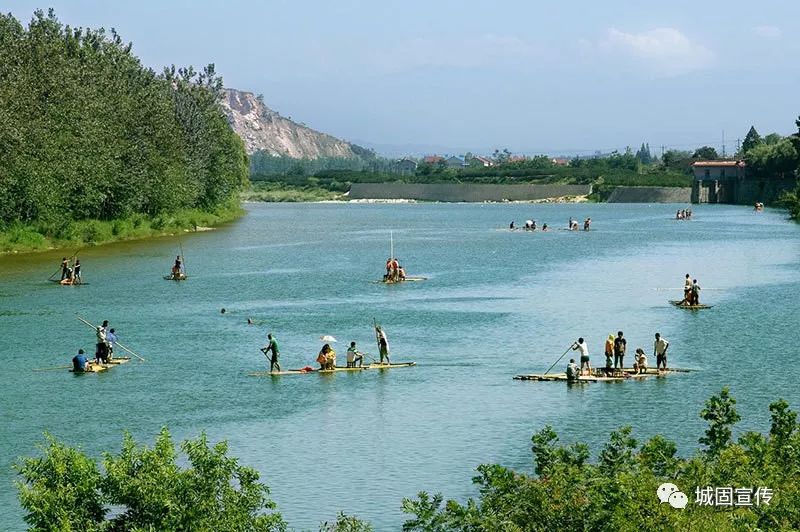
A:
[262, 129]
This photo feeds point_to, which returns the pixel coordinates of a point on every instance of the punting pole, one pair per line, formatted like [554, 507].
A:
[559, 359]
[115, 343]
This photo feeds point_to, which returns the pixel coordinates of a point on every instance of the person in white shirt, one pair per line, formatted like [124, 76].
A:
[353, 356]
[660, 351]
[581, 346]
[641, 361]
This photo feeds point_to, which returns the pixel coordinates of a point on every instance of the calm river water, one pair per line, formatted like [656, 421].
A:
[496, 304]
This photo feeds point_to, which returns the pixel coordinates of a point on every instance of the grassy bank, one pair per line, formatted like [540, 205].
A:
[271, 191]
[73, 234]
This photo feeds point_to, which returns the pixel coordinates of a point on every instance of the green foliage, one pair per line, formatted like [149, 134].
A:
[768, 160]
[643, 155]
[271, 191]
[73, 234]
[618, 492]
[751, 140]
[88, 133]
[721, 416]
[346, 523]
[706, 153]
[63, 490]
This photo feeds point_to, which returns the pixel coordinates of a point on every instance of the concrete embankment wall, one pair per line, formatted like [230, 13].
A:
[650, 195]
[742, 191]
[464, 192]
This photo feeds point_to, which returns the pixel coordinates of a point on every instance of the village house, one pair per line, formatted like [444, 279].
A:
[479, 160]
[455, 162]
[406, 166]
[729, 182]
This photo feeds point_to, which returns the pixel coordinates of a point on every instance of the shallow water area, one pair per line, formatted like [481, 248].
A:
[496, 303]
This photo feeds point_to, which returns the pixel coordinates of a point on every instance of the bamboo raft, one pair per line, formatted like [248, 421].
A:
[401, 281]
[337, 369]
[94, 367]
[600, 376]
[689, 307]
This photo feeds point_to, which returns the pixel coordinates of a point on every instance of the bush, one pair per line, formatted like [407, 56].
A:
[618, 492]
[63, 489]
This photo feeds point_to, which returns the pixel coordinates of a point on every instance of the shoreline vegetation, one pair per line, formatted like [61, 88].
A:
[32, 238]
[95, 147]
[749, 483]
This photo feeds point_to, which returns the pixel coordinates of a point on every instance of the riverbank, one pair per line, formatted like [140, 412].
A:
[31, 238]
[274, 192]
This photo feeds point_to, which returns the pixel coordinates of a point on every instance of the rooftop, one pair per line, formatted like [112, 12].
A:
[719, 163]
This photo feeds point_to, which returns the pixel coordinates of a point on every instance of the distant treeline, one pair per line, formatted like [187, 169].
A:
[88, 132]
[612, 170]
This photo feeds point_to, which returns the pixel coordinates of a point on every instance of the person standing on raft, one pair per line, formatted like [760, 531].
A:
[584, 349]
[272, 346]
[176, 268]
[609, 352]
[660, 352]
[102, 343]
[687, 290]
[64, 268]
[620, 345]
[383, 343]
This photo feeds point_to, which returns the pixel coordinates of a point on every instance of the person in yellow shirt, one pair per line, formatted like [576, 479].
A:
[609, 352]
[326, 357]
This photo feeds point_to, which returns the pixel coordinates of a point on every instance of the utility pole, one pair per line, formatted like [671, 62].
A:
[723, 143]
[738, 146]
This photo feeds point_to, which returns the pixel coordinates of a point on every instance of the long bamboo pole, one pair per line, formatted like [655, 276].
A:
[94, 327]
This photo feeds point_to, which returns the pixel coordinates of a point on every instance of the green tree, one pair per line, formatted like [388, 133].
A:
[618, 492]
[643, 155]
[63, 490]
[346, 523]
[706, 153]
[768, 160]
[87, 132]
[721, 415]
[751, 140]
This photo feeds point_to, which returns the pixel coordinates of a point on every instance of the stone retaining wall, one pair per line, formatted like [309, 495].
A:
[454, 192]
[650, 195]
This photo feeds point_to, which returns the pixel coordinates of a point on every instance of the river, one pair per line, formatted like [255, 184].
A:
[496, 304]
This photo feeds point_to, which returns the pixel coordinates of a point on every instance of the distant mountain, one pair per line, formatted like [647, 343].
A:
[263, 129]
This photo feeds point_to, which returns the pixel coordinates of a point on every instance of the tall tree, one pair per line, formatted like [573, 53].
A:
[751, 140]
[643, 155]
[86, 131]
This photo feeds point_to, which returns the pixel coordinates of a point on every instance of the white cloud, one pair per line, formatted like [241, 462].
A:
[476, 51]
[666, 51]
[771, 33]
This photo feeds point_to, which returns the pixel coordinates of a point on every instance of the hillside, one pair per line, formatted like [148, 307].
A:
[263, 129]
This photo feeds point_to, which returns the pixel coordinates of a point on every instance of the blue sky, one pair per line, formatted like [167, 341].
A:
[532, 76]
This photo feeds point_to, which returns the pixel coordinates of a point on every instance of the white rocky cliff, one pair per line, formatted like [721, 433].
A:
[263, 129]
